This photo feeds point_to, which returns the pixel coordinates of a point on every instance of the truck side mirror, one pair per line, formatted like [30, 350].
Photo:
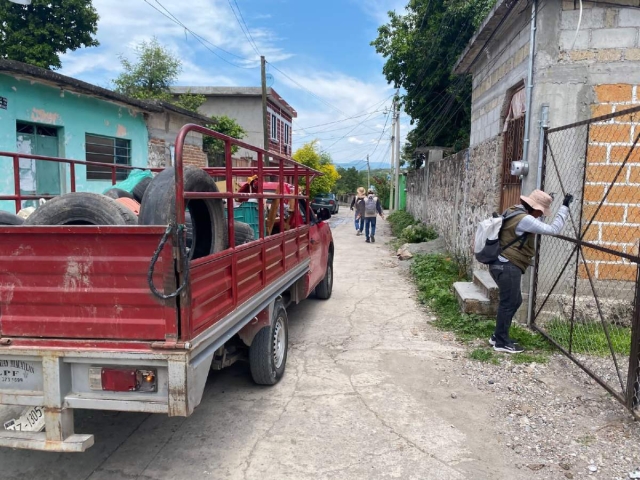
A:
[324, 214]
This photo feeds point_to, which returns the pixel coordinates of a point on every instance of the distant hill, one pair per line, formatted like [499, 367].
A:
[362, 165]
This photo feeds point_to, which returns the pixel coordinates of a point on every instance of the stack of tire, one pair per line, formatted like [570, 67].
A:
[152, 202]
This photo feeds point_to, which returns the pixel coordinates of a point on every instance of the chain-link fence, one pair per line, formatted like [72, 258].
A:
[587, 286]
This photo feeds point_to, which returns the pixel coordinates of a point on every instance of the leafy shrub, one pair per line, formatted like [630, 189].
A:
[419, 233]
[399, 220]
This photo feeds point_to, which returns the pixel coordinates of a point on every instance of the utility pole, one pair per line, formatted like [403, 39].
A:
[263, 71]
[393, 135]
[397, 147]
[368, 173]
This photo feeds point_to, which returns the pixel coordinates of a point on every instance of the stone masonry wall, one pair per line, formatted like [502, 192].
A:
[456, 193]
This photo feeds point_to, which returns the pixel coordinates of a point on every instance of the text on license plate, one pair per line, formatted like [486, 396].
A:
[31, 420]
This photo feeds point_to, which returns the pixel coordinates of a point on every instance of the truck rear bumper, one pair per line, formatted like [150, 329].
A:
[38, 441]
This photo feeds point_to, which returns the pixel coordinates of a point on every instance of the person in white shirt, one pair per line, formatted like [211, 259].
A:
[517, 237]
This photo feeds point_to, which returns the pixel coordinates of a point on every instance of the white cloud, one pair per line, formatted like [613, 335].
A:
[355, 140]
[378, 8]
[121, 29]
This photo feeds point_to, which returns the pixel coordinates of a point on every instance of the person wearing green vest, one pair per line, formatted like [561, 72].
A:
[517, 237]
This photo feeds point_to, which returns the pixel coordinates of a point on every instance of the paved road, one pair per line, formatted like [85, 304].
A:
[367, 394]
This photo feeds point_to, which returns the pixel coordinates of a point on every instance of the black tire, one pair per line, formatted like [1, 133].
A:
[243, 233]
[128, 216]
[140, 188]
[267, 367]
[77, 209]
[7, 218]
[116, 193]
[209, 233]
[325, 287]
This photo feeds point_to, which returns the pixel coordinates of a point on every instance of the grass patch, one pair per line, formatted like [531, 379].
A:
[589, 338]
[483, 355]
[409, 230]
[399, 220]
[434, 276]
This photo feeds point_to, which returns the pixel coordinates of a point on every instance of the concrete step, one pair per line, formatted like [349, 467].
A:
[473, 300]
[486, 283]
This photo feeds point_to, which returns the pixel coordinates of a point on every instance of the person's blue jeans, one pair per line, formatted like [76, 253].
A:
[370, 226]
[508, 278]
[357, 221]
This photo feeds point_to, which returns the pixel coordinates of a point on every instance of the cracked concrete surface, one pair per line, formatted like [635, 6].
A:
[366, 395]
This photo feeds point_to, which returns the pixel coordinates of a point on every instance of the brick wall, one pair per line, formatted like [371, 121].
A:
[193, 155]
[617, 225]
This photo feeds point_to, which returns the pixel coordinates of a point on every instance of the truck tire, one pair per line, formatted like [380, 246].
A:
[140, 188]
[243, 233]
[77, 208]
[325, 287]
[7, 218]
[209, 233]
[116, 193]
[268, 351]
[129, 217]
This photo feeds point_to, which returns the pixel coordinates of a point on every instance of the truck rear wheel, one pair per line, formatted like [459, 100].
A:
[325, 287]
[268, 351]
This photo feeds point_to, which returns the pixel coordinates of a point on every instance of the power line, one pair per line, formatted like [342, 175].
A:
[382, 133]
[247, 33]
[313, 94]
[336, 121]
[201, 40]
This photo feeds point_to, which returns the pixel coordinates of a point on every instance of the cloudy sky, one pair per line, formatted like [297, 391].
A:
[318, 53]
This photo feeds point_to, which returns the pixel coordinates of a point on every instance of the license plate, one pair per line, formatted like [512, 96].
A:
[31, 420]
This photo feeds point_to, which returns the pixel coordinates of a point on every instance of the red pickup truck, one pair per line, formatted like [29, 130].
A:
[89, 321]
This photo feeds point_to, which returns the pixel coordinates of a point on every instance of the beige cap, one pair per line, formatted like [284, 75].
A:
[539, 200]
[360, 190]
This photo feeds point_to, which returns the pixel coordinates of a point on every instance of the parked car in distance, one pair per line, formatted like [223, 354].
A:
[326, 200]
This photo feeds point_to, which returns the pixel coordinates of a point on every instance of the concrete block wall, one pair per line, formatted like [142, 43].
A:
[497, 72]
[607, 33]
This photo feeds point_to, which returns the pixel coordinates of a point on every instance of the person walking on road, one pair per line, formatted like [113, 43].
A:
[372, 208]
[521, 225]
[358, 204]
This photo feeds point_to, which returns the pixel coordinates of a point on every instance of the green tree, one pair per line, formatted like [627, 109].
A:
[383, 189]
[308, 155]
[349, 180]
[421, 46]
[39, 33]
[152, 74]
[215, 148]
[150, 77]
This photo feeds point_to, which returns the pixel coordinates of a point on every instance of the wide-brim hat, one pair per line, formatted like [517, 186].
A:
[539, 200]
[360, 190]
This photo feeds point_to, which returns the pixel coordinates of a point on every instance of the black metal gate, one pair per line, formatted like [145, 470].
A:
[587, 288]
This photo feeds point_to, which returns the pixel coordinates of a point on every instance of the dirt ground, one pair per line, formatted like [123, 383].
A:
[372, 391]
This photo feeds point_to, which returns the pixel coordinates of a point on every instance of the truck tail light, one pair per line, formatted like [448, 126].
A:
[113, 379]
[331, 202]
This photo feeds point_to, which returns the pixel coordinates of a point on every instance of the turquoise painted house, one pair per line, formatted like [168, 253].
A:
[45, 113]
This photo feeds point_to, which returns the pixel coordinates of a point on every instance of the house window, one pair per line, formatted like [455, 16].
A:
[112, 151]
[274, 127]
[286, 134]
